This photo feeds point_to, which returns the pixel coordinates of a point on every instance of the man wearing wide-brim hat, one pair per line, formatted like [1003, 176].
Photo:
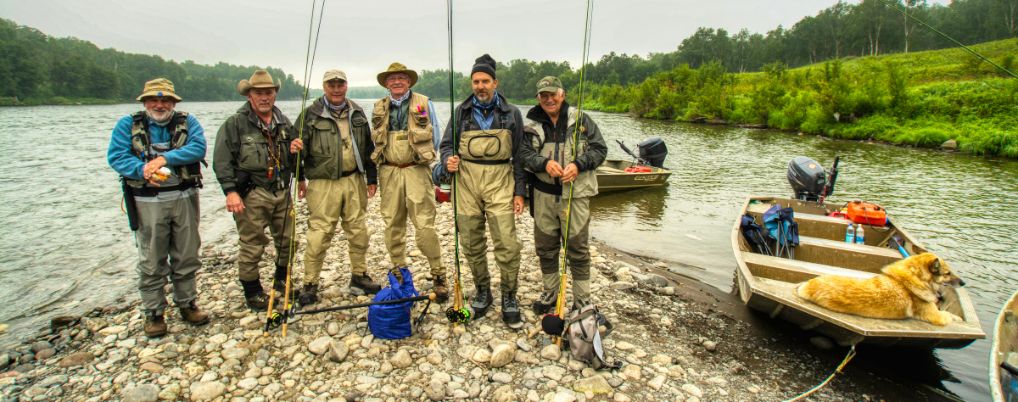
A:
[553, 128]
[336, 146]
[253, 164]
[404, 129]
[157, 153]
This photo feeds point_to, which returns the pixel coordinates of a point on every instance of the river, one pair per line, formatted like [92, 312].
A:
[65, 247]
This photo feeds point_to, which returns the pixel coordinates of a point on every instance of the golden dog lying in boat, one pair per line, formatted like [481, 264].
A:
[908, 288]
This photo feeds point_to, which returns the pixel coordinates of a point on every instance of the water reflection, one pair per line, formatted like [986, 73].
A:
[646, 205]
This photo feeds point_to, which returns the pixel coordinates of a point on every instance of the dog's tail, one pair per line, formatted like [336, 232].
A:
[800, 291]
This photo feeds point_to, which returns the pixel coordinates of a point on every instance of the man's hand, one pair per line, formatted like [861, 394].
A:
[302, 189]
[553, 168]
[372, 188]
[452, 164]
[296, 146]
[570, 173]
[152, 166]
[518, 204]
[234, 203]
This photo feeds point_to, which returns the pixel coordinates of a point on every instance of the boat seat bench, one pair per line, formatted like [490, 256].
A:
[786, 270]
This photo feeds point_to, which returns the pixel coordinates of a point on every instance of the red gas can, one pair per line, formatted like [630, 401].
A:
[867, 213]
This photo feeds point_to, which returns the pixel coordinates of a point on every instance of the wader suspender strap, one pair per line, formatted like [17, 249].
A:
[353, 139]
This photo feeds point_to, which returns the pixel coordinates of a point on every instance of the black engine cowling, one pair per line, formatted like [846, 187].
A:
[807, 178]
[653, 151]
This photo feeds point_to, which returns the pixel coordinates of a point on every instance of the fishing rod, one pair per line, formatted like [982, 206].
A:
[904, 11]
[288, 306]
[553, 322]
[458, 313]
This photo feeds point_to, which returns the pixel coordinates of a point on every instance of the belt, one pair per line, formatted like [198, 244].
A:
[400, 165]
[487, 161]
[547, 188]
[148, 191]
[345, 174]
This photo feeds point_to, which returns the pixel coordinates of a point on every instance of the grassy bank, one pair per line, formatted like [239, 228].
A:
[919, 99]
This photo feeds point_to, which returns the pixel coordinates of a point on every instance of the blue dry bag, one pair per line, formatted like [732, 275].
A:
[392, 321]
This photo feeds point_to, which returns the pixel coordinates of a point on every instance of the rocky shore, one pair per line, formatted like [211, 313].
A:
[675, 338]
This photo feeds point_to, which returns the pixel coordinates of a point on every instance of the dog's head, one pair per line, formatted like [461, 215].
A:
[937, 270]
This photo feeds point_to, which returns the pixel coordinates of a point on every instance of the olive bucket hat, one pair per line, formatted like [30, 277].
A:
[394, 68]
[260, 79]
[159, 87]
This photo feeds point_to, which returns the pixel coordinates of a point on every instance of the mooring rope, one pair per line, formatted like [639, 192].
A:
[848, 357]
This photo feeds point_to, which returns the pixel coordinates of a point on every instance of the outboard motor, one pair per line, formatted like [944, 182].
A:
[807, 178]
[653, 151]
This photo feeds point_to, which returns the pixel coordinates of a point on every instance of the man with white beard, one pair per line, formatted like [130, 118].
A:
[157, 153]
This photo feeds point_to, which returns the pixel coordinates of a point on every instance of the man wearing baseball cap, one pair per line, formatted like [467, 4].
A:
[336, 159]
[551, 128]
[253, 164]
[490, 185]
[403, 129]
[157, 153]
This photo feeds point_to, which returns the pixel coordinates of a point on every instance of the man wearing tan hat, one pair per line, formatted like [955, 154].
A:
[157, 153]
[403, 128]
[341, 178]
[253, 164]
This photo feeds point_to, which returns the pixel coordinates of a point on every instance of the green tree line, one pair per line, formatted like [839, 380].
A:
[37, 68]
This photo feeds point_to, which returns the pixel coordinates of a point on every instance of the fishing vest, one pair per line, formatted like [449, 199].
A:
[585, 184]
[403, 147]
[333, 151]
[141, 146]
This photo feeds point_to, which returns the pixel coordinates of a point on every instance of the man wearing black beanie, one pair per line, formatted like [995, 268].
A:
[489, 184]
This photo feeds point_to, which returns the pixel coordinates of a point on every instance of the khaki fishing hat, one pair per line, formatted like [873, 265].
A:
[260, 79]
[159, 87]
[334, 75]
[397, 68]
[549, 84]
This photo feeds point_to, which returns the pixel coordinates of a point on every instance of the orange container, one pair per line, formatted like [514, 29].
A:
[639, 169]
[866, 213]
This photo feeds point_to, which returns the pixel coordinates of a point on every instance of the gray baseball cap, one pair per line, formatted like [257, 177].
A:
[549, 84]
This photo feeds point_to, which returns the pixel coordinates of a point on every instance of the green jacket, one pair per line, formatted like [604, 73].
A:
[323, 152]
[241, 159]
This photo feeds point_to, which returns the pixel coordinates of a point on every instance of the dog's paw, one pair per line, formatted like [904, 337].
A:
[954, 317]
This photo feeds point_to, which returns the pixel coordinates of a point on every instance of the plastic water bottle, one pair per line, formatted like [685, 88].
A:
[850, 234]
[859, 235]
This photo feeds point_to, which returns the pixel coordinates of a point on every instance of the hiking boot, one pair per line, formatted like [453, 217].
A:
[193, 315]
[481, 303]
[308, 295]
[440, 289]
[155, 324]
[254, 295]
[544, 304]
[364, 284]
[511, 310]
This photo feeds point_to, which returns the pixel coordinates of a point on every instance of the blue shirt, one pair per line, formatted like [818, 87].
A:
[123, 160]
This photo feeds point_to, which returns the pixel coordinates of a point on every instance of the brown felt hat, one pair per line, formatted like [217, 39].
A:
[159, 87]
[397, 67]
[260, 79]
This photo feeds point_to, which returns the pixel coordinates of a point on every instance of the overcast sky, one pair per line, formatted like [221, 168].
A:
[363, 37]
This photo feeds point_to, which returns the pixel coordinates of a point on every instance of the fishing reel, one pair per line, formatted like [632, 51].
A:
[553, 325]
[276, 318]
[458, 316]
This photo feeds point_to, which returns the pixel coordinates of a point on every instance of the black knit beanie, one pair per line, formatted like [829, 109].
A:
[484, 64]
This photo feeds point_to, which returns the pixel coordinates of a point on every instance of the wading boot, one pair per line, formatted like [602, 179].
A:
[544, 304]
[254, 295]
[362, 283]
[511, 310]
[308, 295]
[155, 324]
[481, 303]
[441, 289]
[279, 286]
[193, 315]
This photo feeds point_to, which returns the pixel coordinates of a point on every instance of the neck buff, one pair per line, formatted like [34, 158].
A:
[484, 112]
[335, 108]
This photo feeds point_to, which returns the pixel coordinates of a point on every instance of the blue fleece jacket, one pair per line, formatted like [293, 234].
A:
[126, 163]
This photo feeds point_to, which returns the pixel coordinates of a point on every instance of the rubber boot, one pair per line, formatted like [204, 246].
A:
[254, 295]
[441, 289]
[511, 310]
[308, 295]
[155, 324]
[481, 303]
[544, 304]
[279, 285]
[193, 315]
[364, 284]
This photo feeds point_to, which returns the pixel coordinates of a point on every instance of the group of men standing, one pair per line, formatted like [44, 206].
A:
[340, 158]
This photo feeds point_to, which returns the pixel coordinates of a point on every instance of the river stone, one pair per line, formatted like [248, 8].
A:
[502, 354]
[624, 346]
[235, 353]
[564, 396]
[45, 354]
[112, 330]
[595, 384]
[710, 346]
[949, 145]
[76, 359]
[631, 372]
[320, 346]
[553, 372]
[502, 377]
[401, 359]
[482, 355]
[40, 346]
[692, 390]
[622, 285]
[503, 394]
[657, 382]
[151, 367]
[338, 352]
[551, 352]
[205, 391]
[248, 383]
[141, 393]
